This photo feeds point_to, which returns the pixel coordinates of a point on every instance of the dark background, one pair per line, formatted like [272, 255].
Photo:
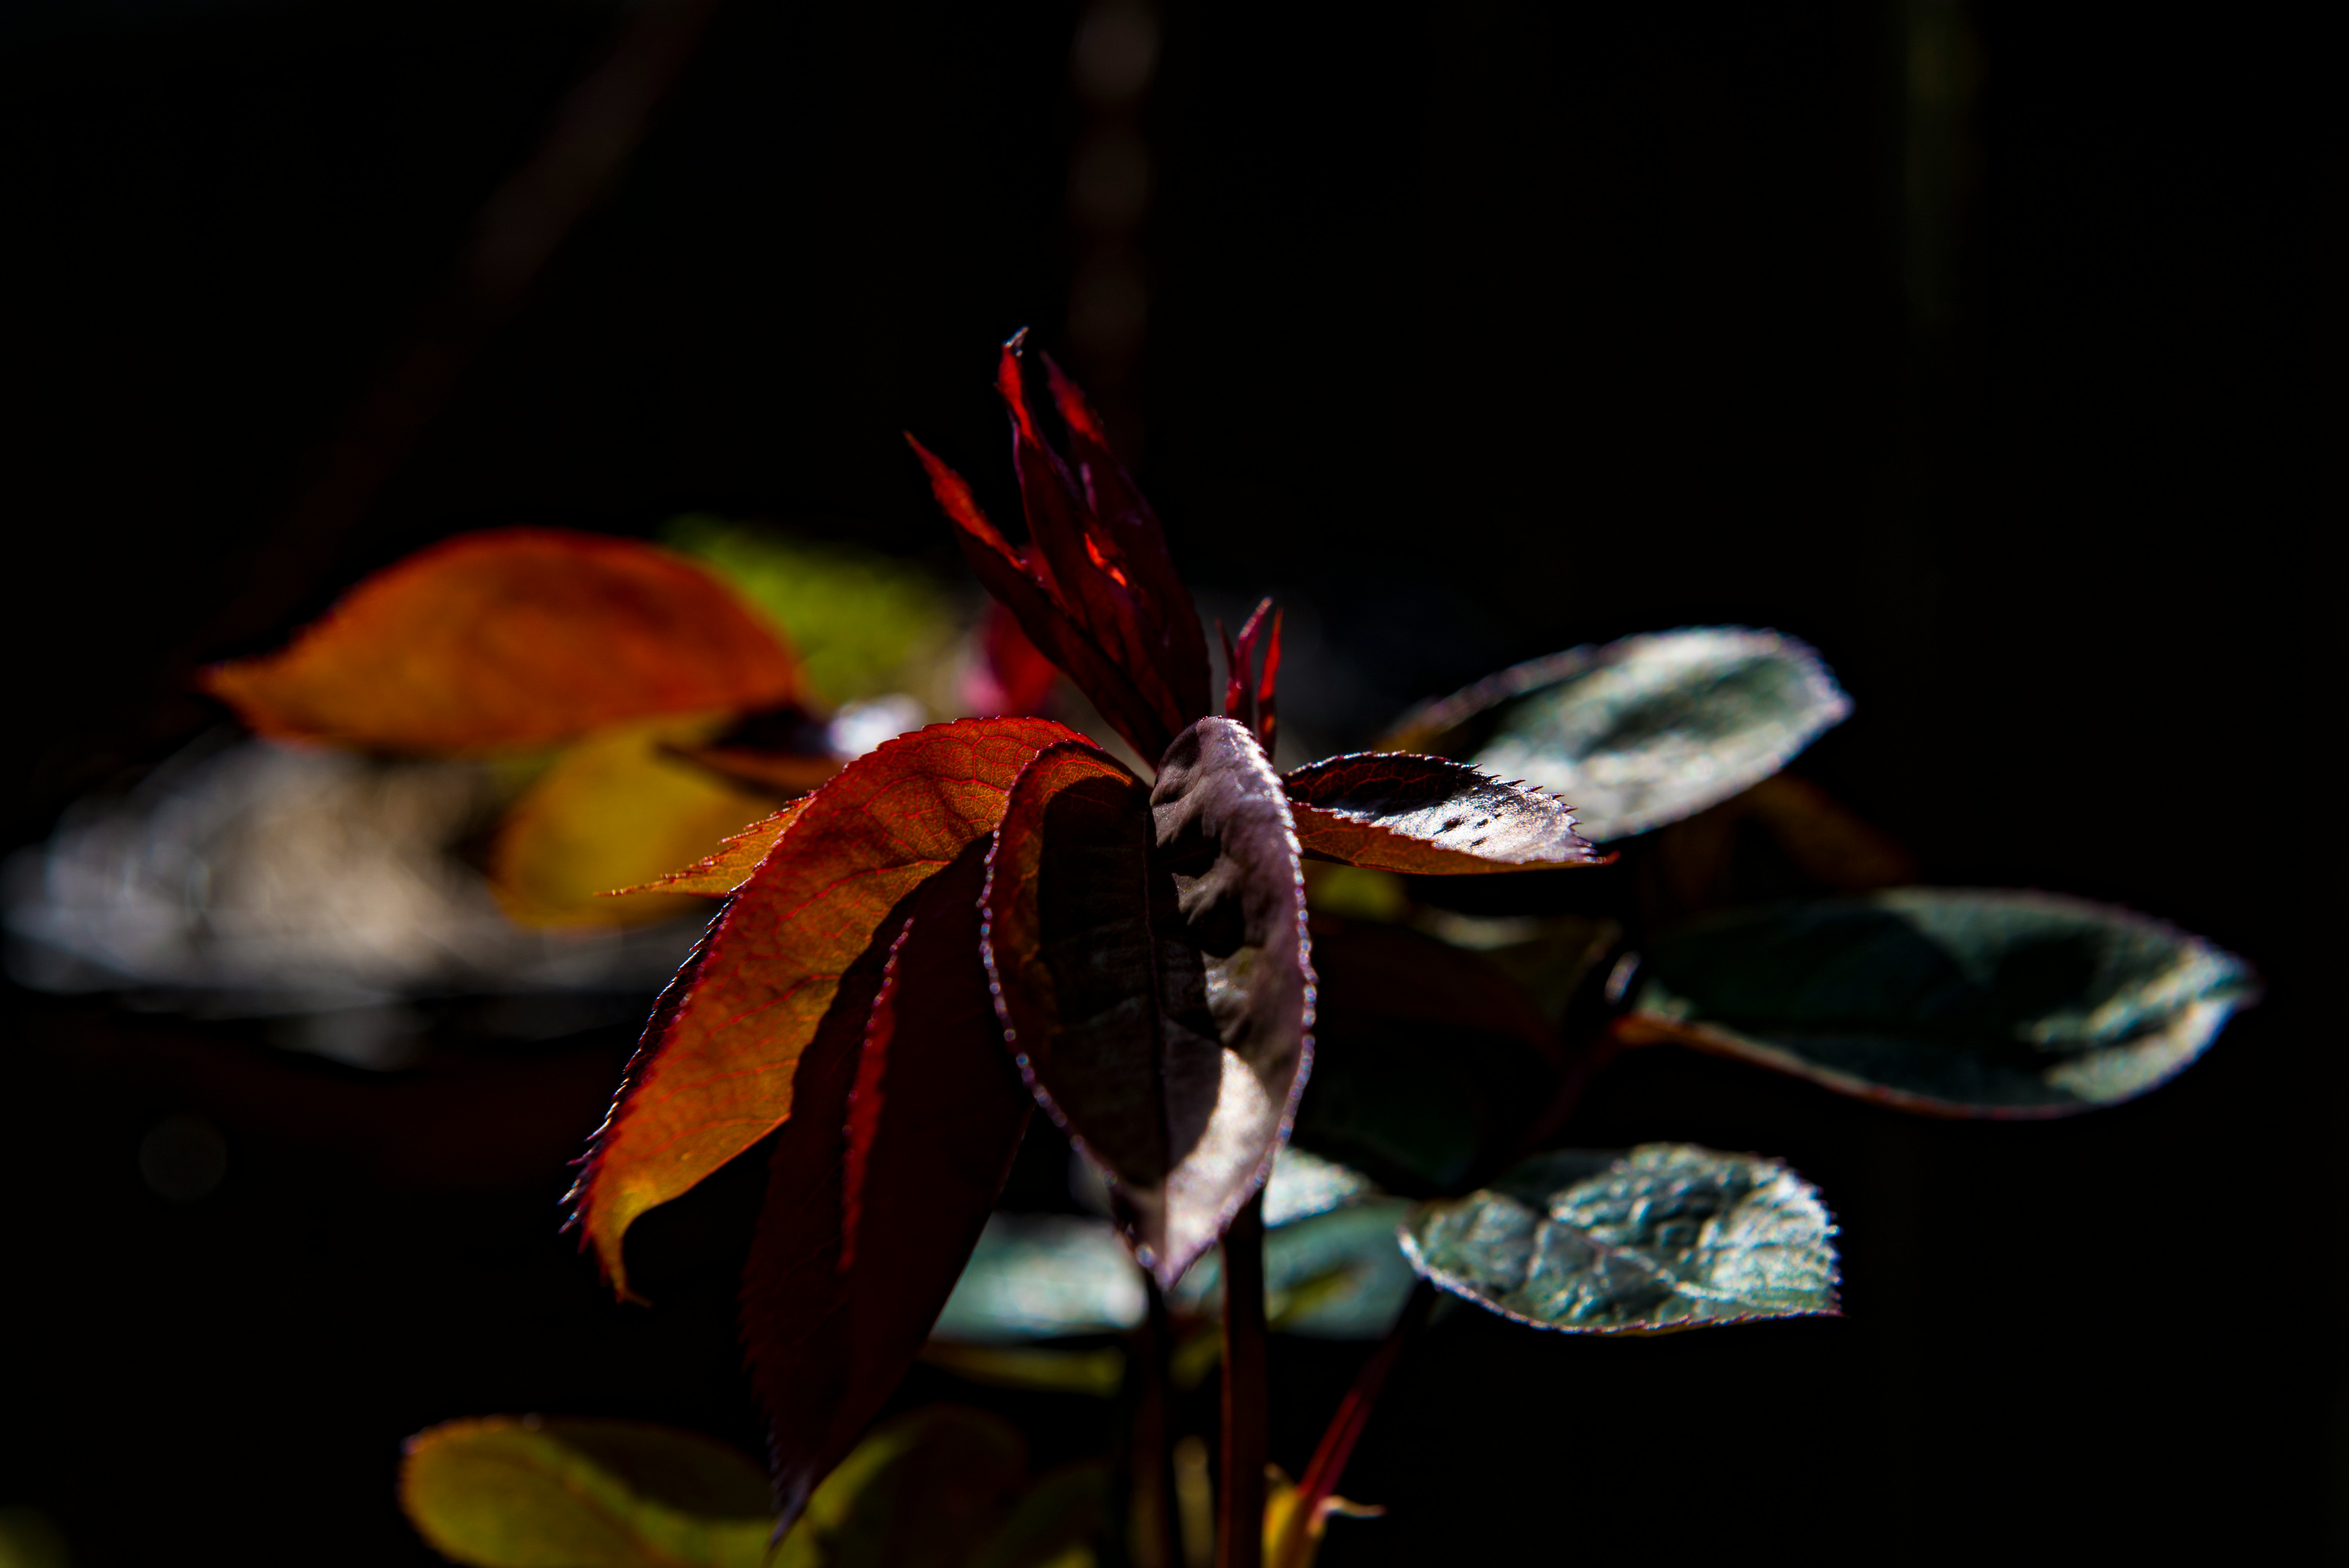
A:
[1996, 352]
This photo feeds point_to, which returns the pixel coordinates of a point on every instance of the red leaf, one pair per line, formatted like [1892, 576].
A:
[1005, 572]
[1169, 1032]
[517, 638]
[720, 874]
[1396, 812]
[898, 1144]
[1016, 677]
[717, 1070]
[1097, 594]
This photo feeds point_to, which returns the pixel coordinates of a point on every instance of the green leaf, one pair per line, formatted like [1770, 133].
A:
[1948, 1002]
[1039, 1276]
[1666, 1237]
[508, 1491]
[862, 622]
[915, 1494]
[1643, 731]
[1054, 1523]
[1340, 1274]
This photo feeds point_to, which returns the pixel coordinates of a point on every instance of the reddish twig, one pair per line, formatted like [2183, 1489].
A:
[1239, 1528]
[1328, 1466]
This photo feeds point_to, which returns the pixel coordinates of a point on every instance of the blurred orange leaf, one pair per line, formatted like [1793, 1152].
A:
[512, 639]
[795, 950]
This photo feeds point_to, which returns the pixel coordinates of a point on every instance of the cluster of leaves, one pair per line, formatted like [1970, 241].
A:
[987, 916]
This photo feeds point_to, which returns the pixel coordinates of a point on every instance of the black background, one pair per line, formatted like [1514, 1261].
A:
[1486, 330]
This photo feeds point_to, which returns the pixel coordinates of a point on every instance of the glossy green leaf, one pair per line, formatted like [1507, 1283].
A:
[508, 1491]
[1643, 731]
[1949, 1002]
[1666, 1237]
[916, 1493]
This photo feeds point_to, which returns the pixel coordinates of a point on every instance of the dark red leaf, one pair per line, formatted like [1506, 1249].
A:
[1152, 972]
[1098, 596]
[1392, 811]
[718, 1070]
[1005, 572]
[1163, 602]
[900, 1138]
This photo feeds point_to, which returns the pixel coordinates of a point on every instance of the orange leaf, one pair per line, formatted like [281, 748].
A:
[717, 875]
[510, 639]
[715, 1072]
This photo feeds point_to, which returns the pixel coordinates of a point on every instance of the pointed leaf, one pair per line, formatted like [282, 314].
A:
[528, 1491]
[1643, 731]
[612, 810]
[1393, 811]
[516, 638]
[1665, 1237]
[1165, 602]
[1006, 573]
[1948, 1002]
[720, 874]
[715, 1073]
[915, 1494]
[879, 1185]
[1169, 1033]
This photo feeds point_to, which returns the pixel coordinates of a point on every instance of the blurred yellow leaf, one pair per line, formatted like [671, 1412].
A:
[615, 811]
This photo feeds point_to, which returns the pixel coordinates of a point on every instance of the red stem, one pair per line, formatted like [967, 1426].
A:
[1240, 1527]
[1328, 1466]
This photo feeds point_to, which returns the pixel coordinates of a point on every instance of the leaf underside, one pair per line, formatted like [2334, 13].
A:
[1948, 1002]
[512, 639]
[1666, 1237]
[1151, 970]
[900, 1137]
[506, 1491]
[1395, 812]
[1643, 731]
[793, 951]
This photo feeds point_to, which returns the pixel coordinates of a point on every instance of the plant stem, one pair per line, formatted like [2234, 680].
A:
[1150, 1517]
[1239, 1528]
[1328, 1466]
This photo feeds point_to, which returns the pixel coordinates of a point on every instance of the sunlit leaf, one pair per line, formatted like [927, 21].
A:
[512, 639]
[900, 1137]
[1668, 1236]
[1948, 1002]
[718, 874]
[1393, 811]
[526, 1491]
[1293, 1542]
[1428, 1060]
[795, 947]
[614, 811]
[916, 1493]
[1169, 1032]
[1643, 731]
[1039, 1276]
[857, 617]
